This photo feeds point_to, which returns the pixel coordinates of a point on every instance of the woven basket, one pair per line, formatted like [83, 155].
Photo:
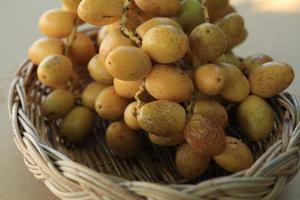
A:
[90, 171]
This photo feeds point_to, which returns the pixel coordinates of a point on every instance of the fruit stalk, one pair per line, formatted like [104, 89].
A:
[205, 10]
[191, 104]
[139, 94]
[71, 39]
[124, 21]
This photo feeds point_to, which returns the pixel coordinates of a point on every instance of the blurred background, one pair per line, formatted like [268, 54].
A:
[274, 29]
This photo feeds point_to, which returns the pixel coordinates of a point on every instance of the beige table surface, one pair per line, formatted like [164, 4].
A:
[273, 32]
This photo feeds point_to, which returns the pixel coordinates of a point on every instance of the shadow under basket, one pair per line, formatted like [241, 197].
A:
[88, 170]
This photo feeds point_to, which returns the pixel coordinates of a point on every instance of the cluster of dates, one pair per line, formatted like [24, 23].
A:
[164, 68]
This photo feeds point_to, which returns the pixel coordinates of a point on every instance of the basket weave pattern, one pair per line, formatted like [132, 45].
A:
[92, 172]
